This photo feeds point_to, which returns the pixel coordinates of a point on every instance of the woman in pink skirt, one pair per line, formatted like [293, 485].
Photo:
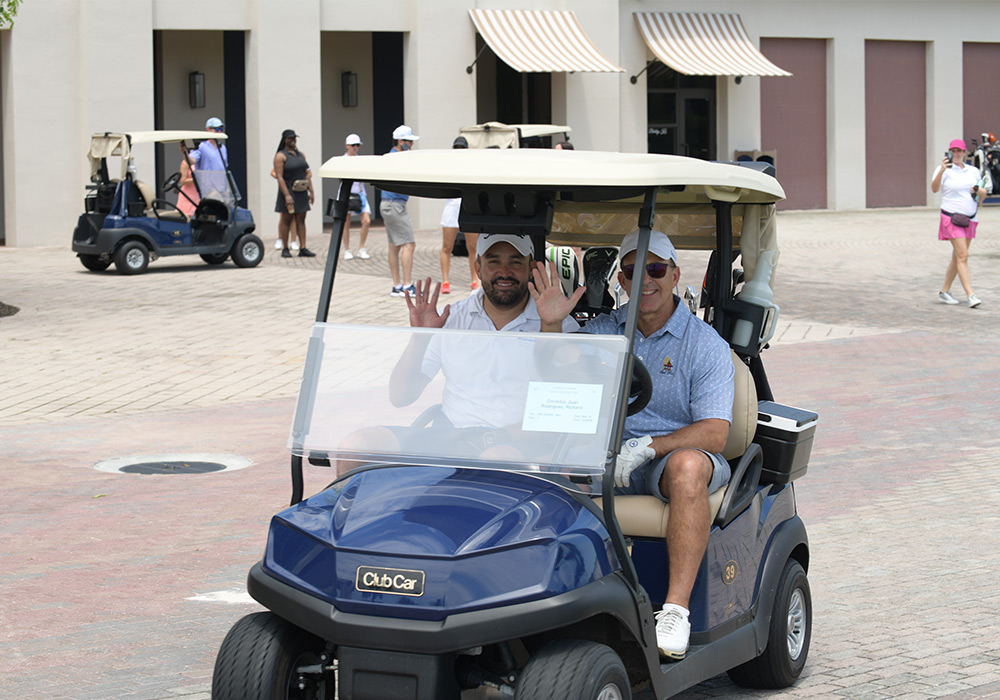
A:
[958, 183]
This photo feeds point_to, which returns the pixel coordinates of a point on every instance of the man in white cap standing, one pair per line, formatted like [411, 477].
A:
[398, 226]
[352, 144]
[672, 448]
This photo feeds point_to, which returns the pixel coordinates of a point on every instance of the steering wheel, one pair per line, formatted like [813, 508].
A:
[172, 182]
[640, 389]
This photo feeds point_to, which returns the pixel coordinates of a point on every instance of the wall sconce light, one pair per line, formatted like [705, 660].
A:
[349, 89]
[196, 90]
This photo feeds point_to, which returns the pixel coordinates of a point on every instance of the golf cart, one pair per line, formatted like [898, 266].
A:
[495, 561]
[124, 222]
[499, 135]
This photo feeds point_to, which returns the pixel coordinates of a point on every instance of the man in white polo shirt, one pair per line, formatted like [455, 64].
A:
[508, 298]
[482, 401]
[515, 296]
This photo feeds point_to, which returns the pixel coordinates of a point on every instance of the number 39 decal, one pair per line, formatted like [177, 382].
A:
[729, 572]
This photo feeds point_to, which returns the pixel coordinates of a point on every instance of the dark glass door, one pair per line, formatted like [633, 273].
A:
[680, 113]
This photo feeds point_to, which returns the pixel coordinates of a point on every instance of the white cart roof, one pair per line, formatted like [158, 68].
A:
[443, 173]
[107, 144]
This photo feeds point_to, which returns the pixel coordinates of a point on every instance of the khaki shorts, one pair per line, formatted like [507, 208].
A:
[398, 226]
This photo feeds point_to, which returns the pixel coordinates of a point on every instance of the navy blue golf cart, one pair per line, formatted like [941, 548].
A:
[124, 222]
[494, 561]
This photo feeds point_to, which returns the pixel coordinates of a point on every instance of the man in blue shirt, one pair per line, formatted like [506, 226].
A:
[398, 226]
[672, 447]
[211, 159]
[211, 154]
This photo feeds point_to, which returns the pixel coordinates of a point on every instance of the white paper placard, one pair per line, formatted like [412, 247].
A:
[555, 407]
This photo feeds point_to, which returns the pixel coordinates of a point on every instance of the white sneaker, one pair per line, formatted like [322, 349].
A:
[277, 245]
[397, 291]
[363, 254]
[947, 298]
[974, 301]
[673, 631]
[348, 255]
[295, 245]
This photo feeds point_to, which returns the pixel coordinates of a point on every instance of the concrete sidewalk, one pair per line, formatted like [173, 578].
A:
[122, 586]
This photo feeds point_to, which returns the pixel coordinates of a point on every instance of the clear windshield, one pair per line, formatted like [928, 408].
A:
[514, 401]
[214, 184]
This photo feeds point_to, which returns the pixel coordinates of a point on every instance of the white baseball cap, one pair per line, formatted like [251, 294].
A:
[404, 133]
[352, 140]
[214, 123]
[521, 243]
[659, 245]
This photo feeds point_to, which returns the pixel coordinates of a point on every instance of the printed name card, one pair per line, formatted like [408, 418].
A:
[554, 407]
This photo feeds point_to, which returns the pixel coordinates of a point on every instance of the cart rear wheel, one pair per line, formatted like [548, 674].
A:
[132, 258]
[248, 251]
[573, 669]
[215, 258]
[788, 637]
[94, 263]
[265, 657]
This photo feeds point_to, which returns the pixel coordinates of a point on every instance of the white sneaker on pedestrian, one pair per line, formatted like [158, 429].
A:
[412, 290]
[673, 631]
[278, 245]
[295, 245]
[396, 291]
[348, 255]
[973, 301]
[363, 254]
[947, 298]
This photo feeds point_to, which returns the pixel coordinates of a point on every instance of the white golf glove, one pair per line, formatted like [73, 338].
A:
[634, 452]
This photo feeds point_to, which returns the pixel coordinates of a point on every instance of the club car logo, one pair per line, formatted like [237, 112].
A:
[400, 581]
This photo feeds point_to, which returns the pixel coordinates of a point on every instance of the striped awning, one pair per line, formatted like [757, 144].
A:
[541, 41]
[702, 43]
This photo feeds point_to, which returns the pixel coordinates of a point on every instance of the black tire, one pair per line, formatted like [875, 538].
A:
[132, 258]
[572, 669]
[94, 262]
[248, 251]
[788, 637]
[258, 661]
[215, 258]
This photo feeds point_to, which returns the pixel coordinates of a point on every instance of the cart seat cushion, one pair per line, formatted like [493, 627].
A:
[147, 192]
[646, 516]
[744, 424]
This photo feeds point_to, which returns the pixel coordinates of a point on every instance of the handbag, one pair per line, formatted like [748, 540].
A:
[300, 185]
[354, 203]
[960, 220]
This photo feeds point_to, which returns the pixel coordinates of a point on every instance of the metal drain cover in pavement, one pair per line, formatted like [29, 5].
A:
[177, 467]
[172, 464]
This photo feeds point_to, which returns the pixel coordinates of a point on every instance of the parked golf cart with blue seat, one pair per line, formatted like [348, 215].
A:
[124, 222]
[502, 565]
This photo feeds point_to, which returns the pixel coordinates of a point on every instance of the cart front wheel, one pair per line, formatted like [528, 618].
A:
[573, 669]
[265, 657]
[248, 251]
[132, 258]
[788, 637]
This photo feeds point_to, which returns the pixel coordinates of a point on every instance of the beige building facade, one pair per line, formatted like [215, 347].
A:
[876, 91]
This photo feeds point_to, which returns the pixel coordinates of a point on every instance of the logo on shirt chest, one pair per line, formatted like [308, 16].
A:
[668, 367]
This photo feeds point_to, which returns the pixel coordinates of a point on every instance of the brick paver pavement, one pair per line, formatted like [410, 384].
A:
[98, 570]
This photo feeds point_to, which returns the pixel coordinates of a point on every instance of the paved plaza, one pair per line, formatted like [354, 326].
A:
[122, 586]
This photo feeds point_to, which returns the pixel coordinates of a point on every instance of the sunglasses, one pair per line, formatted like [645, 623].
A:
[654, 270]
